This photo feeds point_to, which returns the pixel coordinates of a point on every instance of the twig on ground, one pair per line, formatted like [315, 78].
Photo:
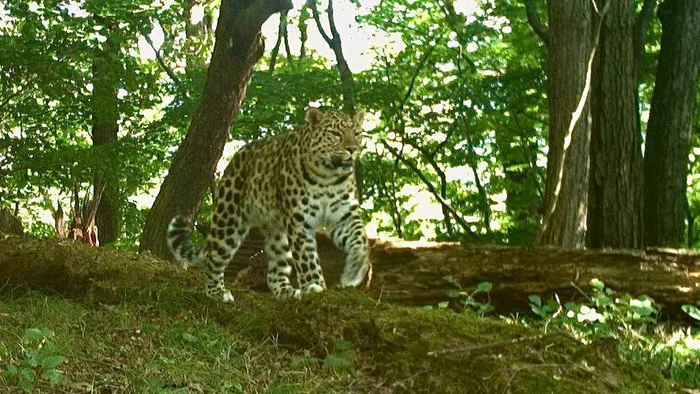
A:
[579, 290]
[503, 343]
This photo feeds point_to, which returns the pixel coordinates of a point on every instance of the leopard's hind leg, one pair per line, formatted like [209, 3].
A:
[225, 236]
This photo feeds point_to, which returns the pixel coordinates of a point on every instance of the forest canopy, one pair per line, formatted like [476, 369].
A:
[469, 133]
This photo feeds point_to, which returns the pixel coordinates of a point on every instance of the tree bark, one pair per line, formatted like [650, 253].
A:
[671, 122]
[105, 116]
[238, 47]
[566, 195]
[616, 179]
[303, 34]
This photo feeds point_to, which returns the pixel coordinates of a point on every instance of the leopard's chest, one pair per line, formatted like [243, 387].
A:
[324, 205]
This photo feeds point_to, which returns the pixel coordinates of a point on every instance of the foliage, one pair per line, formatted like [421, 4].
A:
[692, 311]
[39, 361]
[459, 95]
[465, 300]
[632, 322]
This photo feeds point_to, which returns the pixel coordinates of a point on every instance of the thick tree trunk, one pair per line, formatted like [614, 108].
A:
[105, 115]
[238, 47]
[616, 180]
[566, 196]
[671, 122]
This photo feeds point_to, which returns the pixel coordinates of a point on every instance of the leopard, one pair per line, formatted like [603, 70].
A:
[287, 186]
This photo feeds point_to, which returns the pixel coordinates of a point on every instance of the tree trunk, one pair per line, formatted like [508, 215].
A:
[616, 180]
[238, 47]
[333, 40]
[671, 122]
[566, 195]
[105, 115]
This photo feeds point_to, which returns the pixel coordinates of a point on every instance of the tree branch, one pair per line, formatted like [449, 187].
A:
[317, 18]
[161, 62]
[259, 11]
[421, 64]
[534, 19]
[458, 217]
[278, 43]
[331, 21]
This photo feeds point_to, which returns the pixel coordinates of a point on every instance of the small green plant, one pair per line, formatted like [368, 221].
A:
[341, 359]
[606, 314]
[632, 321]
[466, 300]
[39, 362]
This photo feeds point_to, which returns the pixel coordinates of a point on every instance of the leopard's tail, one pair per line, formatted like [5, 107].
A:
[180, 244]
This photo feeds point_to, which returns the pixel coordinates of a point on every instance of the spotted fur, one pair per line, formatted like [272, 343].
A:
[287, 186]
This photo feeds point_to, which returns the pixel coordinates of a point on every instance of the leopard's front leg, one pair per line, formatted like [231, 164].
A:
[305, 255]
[348, 233]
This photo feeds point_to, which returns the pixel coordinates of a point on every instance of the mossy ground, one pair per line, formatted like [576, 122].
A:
[131, 323]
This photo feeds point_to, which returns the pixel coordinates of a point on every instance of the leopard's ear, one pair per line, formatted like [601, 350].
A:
[313, 117]
[359, 116]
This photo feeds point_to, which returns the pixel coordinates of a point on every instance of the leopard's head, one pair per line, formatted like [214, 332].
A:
[335, 140]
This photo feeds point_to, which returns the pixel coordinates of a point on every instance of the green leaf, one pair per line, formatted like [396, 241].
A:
[535, 300]
[189, 337]
[551, 306]
[11, 370]
[27, 374]
[692, 311]
[53, 375]
[52, 362]
[449, 279]
[595, 282]
[442, 305]
[26, 385]
[484, 287]
[33, 334]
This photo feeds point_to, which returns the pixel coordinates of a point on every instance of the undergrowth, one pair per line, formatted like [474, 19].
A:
[632, 322]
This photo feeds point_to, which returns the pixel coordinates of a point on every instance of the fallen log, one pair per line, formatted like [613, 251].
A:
[414, 273]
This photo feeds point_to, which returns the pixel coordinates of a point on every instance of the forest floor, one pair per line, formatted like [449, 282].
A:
[80, 319]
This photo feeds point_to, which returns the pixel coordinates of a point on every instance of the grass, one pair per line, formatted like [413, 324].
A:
[128, 323]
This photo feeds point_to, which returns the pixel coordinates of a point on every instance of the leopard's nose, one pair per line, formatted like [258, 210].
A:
[351, 149]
